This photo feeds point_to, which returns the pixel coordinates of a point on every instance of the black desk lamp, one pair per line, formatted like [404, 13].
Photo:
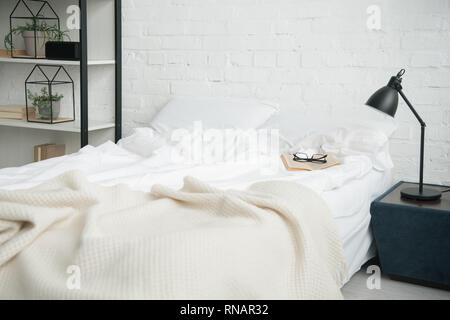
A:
[386, 100]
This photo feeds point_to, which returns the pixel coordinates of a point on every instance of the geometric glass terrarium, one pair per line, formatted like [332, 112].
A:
[32, 23]
[50, 95]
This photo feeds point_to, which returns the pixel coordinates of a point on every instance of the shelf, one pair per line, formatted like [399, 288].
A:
[65, 127]
[56, 62]
[100, 37]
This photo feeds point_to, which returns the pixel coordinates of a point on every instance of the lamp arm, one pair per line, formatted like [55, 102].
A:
[422, 138]
[422, 123]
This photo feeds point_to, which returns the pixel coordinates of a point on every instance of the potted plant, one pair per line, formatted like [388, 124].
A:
[35, 43]
[47, 107]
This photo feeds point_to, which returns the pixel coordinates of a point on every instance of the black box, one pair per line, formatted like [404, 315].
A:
[58, 50]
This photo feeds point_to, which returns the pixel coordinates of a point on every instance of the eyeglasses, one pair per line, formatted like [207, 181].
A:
[315, 158]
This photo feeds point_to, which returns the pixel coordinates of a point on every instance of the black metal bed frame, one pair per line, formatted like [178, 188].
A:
[84, 103]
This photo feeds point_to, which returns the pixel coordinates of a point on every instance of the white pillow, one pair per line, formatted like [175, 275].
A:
[295, 126]
[213, 112]
[143, 142]
[348, 142]
[370, 118]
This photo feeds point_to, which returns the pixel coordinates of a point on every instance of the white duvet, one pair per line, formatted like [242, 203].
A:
[111, 164]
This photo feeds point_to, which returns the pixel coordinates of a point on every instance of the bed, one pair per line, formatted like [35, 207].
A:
[145, 159]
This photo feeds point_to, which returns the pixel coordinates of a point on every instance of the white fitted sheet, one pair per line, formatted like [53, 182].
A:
[350, 205]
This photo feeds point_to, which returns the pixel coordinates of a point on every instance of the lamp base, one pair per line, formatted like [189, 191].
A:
[425, 195]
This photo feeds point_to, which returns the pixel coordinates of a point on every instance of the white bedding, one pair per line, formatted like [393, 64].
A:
[348, 189]
[164, 244]
[351, 211]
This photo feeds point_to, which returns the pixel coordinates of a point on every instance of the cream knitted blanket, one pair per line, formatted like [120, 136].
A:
[71, 239]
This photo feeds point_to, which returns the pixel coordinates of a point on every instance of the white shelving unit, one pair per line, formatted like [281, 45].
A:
[18, 137]
[74, 127]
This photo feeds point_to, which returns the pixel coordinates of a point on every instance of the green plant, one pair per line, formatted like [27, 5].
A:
[51, 32]
[42, 101]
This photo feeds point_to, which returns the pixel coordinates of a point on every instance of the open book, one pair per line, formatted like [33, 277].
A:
[292, 165]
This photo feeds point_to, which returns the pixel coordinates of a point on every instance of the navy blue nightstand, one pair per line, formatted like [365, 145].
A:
[413, 238]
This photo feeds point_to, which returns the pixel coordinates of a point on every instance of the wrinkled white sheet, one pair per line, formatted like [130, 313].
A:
[110, 164]
[348, 189]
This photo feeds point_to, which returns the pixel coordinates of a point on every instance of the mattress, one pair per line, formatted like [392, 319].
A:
[350, 206]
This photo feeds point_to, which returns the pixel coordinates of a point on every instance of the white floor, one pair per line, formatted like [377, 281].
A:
[356, 289]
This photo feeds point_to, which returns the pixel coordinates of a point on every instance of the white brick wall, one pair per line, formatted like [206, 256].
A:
[312, 56]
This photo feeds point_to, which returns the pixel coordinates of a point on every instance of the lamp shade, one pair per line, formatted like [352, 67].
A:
[385, 100]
